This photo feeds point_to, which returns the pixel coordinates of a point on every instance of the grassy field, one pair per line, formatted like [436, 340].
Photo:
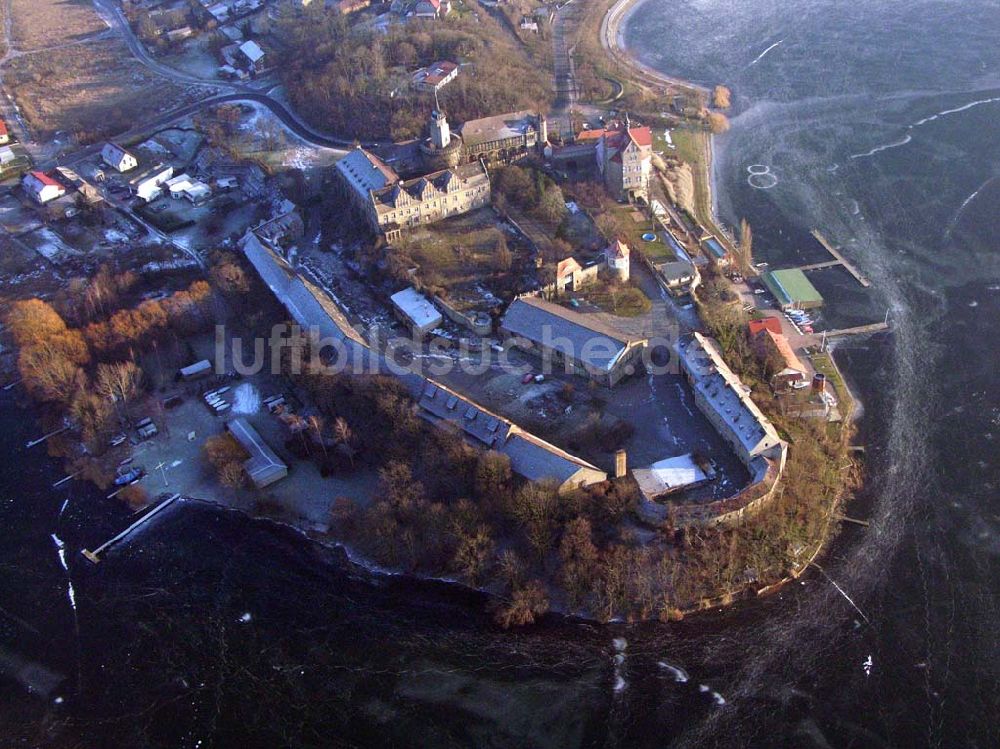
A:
[824, 363]
[89, 90]
[460, 255]
[623, 300]
[41, 24]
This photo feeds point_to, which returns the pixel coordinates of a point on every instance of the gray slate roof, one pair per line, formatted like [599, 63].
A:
[572, 334]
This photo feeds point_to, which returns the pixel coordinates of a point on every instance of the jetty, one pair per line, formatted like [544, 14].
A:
[95, 555]
[875, 327]
[838, 259]
[40, 440]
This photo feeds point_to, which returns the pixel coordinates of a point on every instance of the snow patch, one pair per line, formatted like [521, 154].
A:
[246, 399]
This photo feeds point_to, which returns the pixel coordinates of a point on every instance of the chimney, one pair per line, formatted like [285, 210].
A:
[819, 382]
[621, 464]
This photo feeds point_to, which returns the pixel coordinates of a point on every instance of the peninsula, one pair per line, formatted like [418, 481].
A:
[372, 271]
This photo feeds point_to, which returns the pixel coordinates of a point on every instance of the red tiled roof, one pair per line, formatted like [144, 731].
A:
[45, 179]
[590, 134]
[643, 136]
[765, 323]
[784, 349]
[3, 128]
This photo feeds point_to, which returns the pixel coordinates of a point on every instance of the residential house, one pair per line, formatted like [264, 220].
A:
[148, 184]
[118, 158]
[786, 369]
[251, 55]
[186, 186]
[430, 8]
[624, 157]
[41, 187]
[571, 276]
[434, 77]
[14, 161]
[346, 7]
[580, 343]
[4, 134]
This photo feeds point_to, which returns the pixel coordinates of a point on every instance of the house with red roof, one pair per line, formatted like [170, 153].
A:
[421, 8]
[624, 157]
[756, 327]
[41, 187]
[4, 134]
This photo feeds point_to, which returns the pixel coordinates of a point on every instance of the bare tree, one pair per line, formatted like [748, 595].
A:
[744, 250]
[316, 427]
[342, 431]
[119, 382]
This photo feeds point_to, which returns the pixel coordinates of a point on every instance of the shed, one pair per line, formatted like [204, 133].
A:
[792, 289]
[669, 475]
[263, 466]
[416, 311]
[193, 371]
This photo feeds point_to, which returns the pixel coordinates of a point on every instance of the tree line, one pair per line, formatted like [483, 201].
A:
[356, 81]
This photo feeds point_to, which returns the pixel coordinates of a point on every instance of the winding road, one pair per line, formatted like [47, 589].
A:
[235, 91]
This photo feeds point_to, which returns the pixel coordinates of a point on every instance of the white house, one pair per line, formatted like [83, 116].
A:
[188, 187]
[148, 185]
[118, 158]
[251, 52]
[41, 187]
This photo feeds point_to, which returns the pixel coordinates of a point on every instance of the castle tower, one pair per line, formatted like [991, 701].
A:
[441, 150]
[543, 132]
[440, 132]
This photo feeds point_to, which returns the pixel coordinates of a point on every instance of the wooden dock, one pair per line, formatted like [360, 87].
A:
[95, 555]
[840, 260]
[875, 327]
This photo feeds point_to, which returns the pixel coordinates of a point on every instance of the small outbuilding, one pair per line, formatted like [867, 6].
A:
[263, 466]
[669, 476]
[416, 311]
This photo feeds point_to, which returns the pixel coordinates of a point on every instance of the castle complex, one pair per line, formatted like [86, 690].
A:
[449, 171]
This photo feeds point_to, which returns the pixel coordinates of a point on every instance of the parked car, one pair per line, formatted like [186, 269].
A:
[528, 377]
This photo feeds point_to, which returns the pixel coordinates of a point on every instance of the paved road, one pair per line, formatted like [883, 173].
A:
[610, 28]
